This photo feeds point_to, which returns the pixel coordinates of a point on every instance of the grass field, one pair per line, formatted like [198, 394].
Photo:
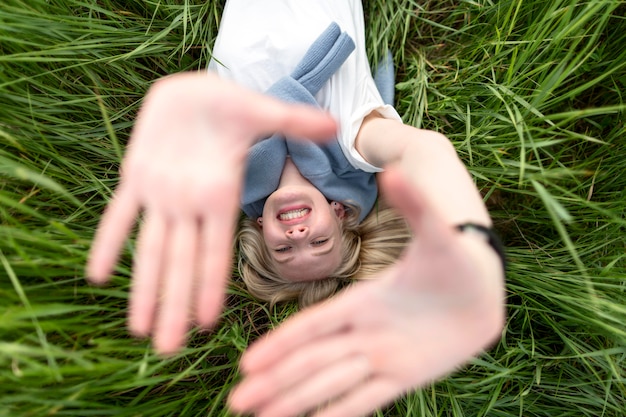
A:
[531, 93]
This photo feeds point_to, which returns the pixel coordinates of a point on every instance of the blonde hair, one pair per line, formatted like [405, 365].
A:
[367, 249]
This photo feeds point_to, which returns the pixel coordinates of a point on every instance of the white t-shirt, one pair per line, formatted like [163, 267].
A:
[260, 42]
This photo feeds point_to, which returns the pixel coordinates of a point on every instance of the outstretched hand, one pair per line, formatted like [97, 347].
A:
[440, 305]
[184, 169]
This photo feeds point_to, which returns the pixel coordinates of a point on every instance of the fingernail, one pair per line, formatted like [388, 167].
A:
[138, 332]
[242, 365]
[235, 400]
[166, 347]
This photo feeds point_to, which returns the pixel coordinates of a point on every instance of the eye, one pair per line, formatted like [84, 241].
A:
[283, 249]
[319, 242]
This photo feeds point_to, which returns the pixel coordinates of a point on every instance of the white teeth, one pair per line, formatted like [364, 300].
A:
[294, 214]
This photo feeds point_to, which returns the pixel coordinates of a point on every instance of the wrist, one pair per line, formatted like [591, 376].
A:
[488, 235]
[487, 253]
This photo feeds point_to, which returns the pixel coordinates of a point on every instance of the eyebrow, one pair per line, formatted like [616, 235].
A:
[320, 253]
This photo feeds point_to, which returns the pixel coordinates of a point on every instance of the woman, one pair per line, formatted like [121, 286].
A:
[311, 225]
[440, 304]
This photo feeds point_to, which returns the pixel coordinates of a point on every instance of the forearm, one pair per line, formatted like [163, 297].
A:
[430, 163]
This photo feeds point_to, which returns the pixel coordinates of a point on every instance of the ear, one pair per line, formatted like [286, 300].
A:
[259, 221]
[339, 209]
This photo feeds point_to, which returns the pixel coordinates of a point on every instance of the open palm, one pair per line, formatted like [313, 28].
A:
[184, 171]
[429, 313]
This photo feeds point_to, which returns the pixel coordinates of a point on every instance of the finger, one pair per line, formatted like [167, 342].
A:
[172, 321]
[295, 121]
[258, 388]
[363, 400]
[216, 251]
[233, 106]
[423, 218]
[314, 323]
[326, 385]
[147, 274]
[113, 229]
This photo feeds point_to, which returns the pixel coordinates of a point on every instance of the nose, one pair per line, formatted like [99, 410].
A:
[297, 233]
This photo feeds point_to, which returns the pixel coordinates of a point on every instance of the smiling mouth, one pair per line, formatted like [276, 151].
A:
[294, 214]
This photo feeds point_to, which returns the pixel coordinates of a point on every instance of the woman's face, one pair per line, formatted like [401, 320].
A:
[302, 232]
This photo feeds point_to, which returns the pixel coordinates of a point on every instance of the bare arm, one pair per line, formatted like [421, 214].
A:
[430, 163]
[441, 304]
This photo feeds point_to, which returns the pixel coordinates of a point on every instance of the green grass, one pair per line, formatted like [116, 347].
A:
[531, 93]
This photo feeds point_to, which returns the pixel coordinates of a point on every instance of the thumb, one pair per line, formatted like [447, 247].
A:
[297, 121]
[260, 114]
[423, 217]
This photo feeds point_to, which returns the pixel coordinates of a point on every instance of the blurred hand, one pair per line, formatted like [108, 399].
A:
[439, 306]
[184, 169]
